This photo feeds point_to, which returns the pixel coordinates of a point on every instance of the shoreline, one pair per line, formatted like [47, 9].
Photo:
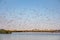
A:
[36, 31]
[2, 31]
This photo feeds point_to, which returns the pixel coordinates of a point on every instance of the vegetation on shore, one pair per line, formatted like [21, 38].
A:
[36, 30]
[2, 31]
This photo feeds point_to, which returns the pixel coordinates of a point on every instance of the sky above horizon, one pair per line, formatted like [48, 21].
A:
[29, 14]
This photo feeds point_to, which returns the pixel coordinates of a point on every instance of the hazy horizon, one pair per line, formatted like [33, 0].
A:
[29, 14]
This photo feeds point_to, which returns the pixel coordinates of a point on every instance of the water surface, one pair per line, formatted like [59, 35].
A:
[30, 36]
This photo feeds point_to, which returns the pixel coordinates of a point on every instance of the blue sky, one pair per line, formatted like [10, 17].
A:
[29, 14]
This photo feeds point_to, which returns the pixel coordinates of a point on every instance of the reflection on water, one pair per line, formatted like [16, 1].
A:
[30, 36]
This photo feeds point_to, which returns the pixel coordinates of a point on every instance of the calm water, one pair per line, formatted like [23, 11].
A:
[30, 36]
